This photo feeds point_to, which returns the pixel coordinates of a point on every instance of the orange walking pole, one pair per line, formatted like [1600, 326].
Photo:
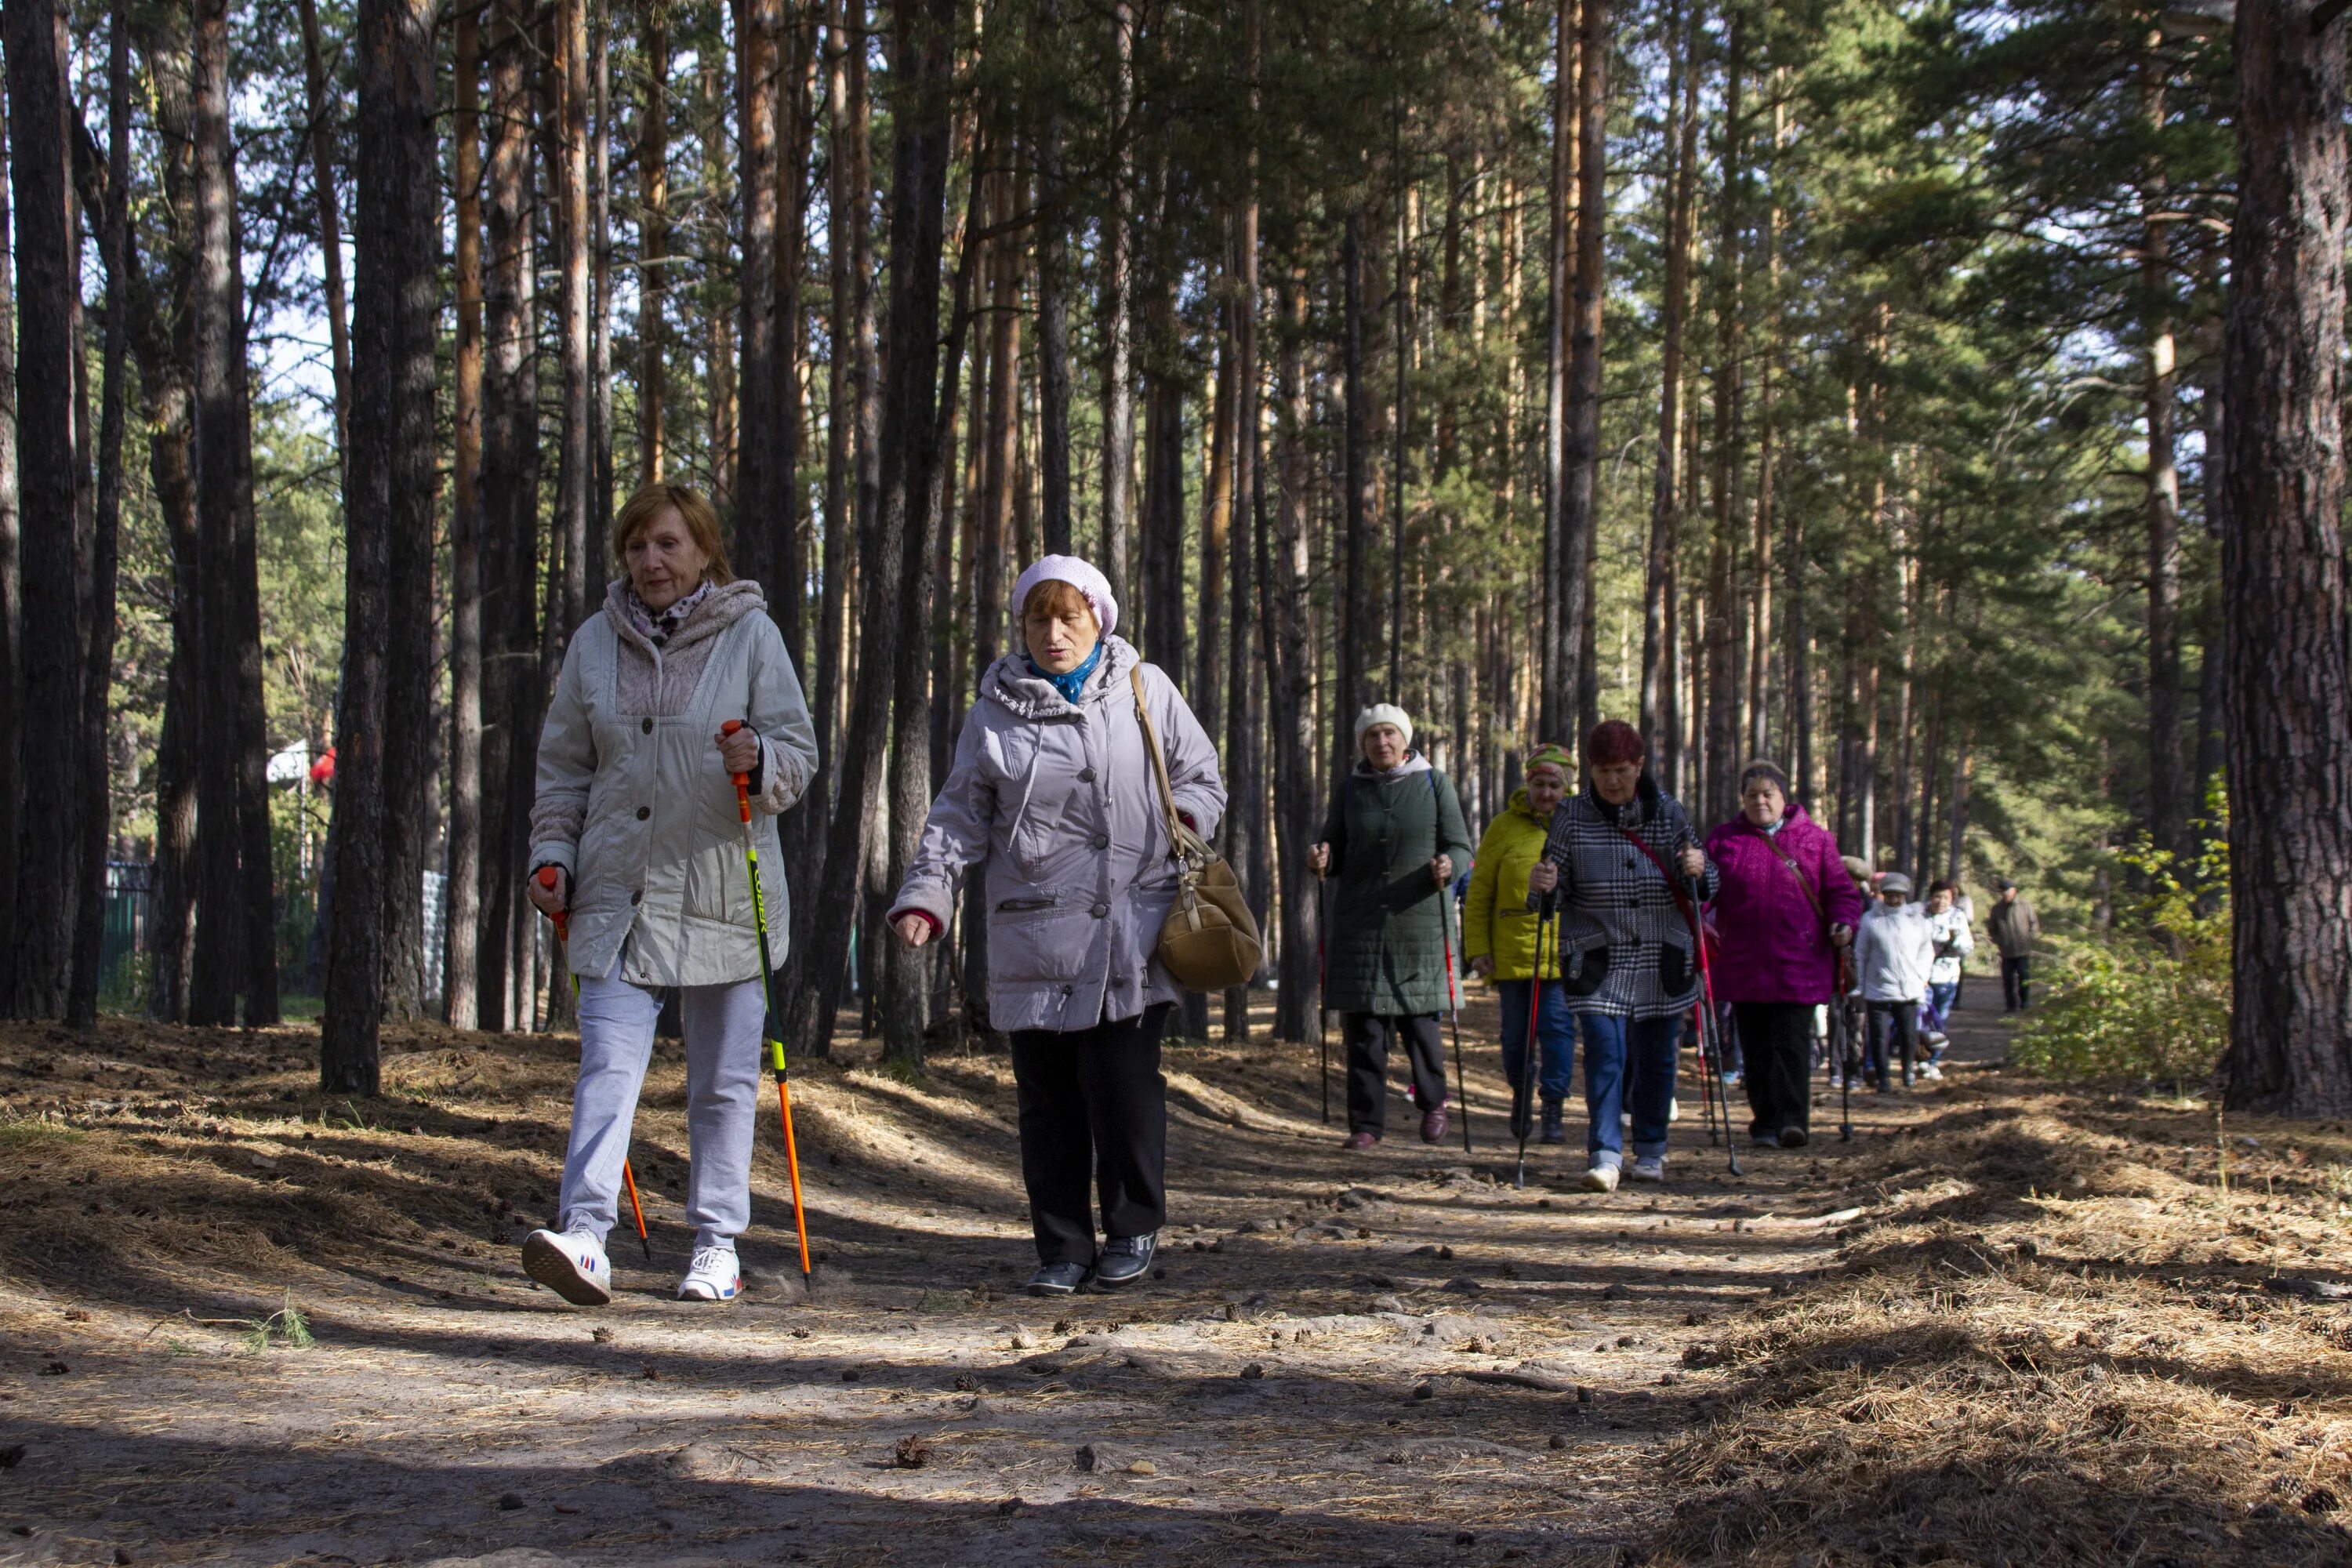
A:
[774, 1034]
[562, 918]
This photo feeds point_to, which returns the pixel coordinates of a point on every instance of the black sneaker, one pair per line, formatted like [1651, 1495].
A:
[1123, 1260]
[1763, 1138]
[1793, 1138]
[1057, 1278]
[1555, 1122]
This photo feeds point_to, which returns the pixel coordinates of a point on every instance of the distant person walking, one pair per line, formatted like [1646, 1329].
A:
[637, 816]
[1786, 908]
[1948, 925]
[1498, 934]
[1622, 851]
[1394, 834]
[2013, 927]
[1053, 791]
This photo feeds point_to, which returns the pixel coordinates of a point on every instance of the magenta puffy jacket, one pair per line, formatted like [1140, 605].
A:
[1774, 948]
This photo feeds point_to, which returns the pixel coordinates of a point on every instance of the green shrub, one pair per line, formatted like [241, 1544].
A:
[2147, 1001]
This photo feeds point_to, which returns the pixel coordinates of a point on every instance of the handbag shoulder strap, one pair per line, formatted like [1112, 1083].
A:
[1682, 902]
[1159, 766]
[1804, 885]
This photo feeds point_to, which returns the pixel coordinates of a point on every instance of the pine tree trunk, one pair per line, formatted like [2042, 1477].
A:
[1244, 821]
[1116, 271]
[461, 947]
[756, 92]
[894, 563]
[35, 528]
[406, 677]
[1579, 514]
[1359, 621]
[1555, 695]
[397, 241]
[320, 145]
[1657, 593]
[1720, 785]
[97, 684]
[12, 695]
[221, 432]
[1053, 309]
[1290, 693]
[788, 548]
[653, 240]
[2290, 680]
[2167, 807]
[510, 519]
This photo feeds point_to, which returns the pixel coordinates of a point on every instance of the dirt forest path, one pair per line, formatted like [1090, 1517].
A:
[1348, 1358]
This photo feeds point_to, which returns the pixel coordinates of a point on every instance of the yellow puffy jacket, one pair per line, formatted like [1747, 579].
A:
[1496, 919]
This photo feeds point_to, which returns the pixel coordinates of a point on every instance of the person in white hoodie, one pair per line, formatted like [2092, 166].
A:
[1892, 951]
[1954, 942]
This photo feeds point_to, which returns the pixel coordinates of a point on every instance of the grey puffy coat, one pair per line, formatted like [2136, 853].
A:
[1058, 800]
[637, 807]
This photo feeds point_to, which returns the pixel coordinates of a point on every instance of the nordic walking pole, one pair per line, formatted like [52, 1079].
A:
[1454, 1012]
[768, 1015]
[1522, 1111]
[1452, 988]
[1709, 1032]
[1322, 990]
[562, 918]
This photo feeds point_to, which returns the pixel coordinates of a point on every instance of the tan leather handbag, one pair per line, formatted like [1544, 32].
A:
[1209, 940]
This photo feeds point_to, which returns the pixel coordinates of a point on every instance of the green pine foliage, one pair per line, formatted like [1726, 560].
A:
[2148, 1001]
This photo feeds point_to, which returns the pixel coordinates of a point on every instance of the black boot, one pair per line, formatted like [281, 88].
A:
[1555, 1123]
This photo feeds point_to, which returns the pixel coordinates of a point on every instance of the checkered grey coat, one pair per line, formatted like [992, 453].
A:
[1628, 947]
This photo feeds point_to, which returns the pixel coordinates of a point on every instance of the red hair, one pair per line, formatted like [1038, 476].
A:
[1614, 740]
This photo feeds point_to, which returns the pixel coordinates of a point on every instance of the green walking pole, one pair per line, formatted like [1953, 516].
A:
[768, 994]
[562, 918]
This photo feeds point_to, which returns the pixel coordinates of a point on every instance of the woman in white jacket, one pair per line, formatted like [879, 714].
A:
[1893, 951]
[1052, 797]
[637, 814]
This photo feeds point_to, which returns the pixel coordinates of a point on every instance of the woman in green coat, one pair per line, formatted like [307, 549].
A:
[1394, 831]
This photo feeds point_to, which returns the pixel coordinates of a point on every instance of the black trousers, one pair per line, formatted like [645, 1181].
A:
[2016, 984]
[1903, 1026]
[1369, 1036]
[1094, 1123]
[1776, 1038]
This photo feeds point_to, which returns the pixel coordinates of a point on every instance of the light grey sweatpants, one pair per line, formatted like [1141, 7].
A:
[722, 1102]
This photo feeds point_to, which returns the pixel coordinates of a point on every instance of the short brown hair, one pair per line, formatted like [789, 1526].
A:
[1055, 597]
[701, 520]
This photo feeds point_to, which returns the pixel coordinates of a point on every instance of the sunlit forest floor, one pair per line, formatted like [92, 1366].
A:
[2004, 1324]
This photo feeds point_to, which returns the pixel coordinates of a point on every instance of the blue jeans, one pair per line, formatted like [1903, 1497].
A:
[1940, 999]
[1614, 1050]
[1555, 1028]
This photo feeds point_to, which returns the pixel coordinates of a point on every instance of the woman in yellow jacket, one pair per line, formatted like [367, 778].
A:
[1499, 935]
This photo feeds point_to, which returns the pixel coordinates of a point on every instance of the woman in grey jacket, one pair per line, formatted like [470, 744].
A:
[1052, 794]
[637, 814]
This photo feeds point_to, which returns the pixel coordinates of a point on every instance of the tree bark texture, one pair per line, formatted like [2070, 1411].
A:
[2289, 677]
[398, 238]
[461, 947]
[49, 842]
[1579, 515]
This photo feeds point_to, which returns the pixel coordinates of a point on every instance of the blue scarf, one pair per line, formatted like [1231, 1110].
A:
[1070, 684]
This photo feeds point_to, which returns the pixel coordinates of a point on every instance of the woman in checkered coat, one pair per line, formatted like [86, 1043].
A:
[1626, 944]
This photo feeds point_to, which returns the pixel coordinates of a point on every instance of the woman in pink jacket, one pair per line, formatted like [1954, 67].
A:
[1785, 909]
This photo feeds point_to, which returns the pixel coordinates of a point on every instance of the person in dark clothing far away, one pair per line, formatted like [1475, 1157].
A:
[1393, 837]
[2013, 927]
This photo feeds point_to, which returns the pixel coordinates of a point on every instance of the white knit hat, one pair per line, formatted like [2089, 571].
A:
[1091, 585]
[1384, 713]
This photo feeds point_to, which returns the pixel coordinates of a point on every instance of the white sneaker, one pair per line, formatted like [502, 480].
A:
[1930, 1070]
[572, 1263]
[1601, 1179]
[1649, 1168]
[714, 1276]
